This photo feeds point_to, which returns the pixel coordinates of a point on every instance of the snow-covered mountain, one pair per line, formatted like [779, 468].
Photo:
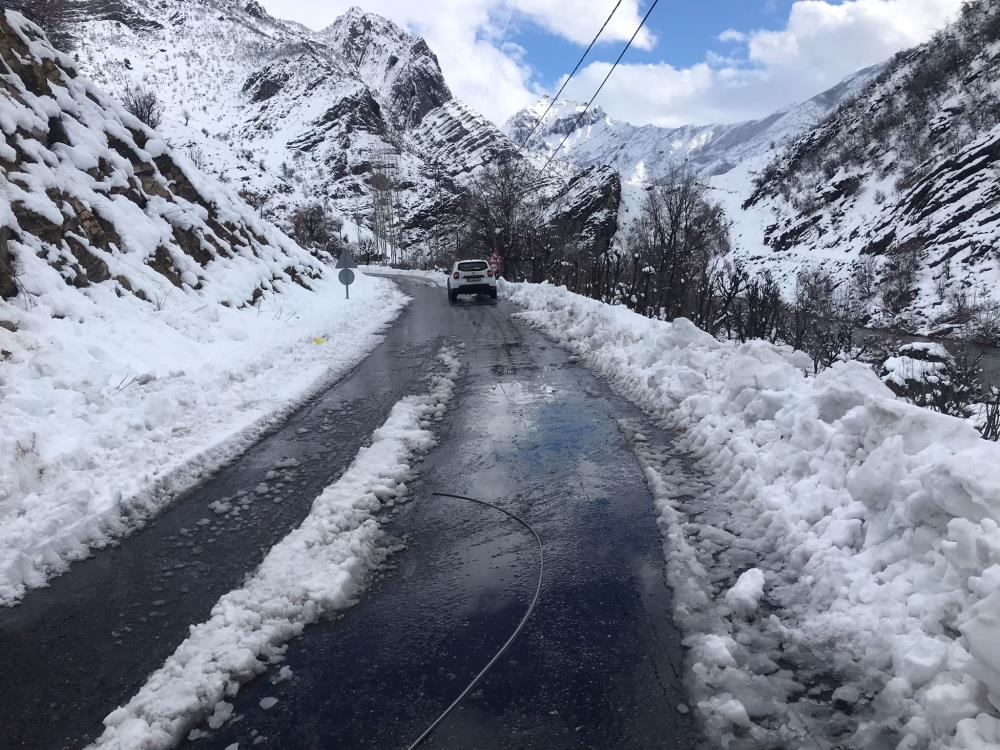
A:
[293, 117]
[646, 153]
[93, 196]
[897, 190]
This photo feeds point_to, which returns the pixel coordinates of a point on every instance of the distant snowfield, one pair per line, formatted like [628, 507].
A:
[845, 526]
[113, 407]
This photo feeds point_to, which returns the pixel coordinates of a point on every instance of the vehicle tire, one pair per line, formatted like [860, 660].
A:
[493, 293]
[452, 296]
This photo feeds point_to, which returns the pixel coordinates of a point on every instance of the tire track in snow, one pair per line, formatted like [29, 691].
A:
[317, 569]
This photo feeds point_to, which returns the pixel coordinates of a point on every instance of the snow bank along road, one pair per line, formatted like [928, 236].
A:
[837, 578]
[105, 422]
[599, 666]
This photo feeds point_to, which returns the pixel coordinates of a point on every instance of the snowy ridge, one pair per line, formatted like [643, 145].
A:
[646, 153]
[874, 525]
[151, 325]
[316, 569]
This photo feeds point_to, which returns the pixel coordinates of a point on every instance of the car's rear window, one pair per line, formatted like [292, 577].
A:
[473, 265]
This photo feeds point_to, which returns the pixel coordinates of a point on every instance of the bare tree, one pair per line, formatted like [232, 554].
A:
[313, 227]
[143, 104]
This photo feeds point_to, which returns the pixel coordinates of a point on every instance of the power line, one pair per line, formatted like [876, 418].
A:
[496, 60]
[578, 64]
[580, 116]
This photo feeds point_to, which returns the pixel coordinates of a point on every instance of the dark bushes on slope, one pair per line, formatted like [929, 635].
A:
[314, 228]
[143, 104]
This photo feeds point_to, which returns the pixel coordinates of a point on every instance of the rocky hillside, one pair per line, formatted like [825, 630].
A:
[896, 193]
[91, 196]
[348, 117]
[646, 153]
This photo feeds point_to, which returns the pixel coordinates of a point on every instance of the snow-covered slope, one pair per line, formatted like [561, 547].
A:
[900, 185]
[292, 117]
[646, 153]
[150, 323]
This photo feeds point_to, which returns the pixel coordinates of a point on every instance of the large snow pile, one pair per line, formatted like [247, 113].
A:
[131, 357]
[317, 569]
[845, 525]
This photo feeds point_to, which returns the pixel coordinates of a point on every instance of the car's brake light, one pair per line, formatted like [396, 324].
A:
[455, 275]
[489, 273]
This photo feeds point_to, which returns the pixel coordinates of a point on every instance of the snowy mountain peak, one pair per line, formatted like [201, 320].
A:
[399, 68]
[561, 118]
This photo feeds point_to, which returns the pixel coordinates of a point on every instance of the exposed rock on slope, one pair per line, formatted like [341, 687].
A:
[93, 196]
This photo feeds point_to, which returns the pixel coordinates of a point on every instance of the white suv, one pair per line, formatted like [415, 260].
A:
[471, 277]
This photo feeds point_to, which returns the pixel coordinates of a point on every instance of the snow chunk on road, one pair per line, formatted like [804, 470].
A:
[745, 596]
[316, 569]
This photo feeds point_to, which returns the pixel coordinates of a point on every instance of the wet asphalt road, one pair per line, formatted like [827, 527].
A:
[598, 666]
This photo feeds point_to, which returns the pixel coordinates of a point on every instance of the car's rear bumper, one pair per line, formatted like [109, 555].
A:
[474, 289]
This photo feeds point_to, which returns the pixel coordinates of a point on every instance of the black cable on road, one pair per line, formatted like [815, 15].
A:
[520, 626]
[580, 116]
[590, 46]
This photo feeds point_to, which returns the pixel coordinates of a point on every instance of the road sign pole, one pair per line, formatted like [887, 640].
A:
[346, 275]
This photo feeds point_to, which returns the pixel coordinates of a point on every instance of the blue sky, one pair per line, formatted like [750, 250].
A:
[685, 31]
[776, 52]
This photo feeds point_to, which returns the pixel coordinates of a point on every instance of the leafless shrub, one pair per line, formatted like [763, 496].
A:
[900, 276]
[197, 155]
[143, 104]
[990, 427]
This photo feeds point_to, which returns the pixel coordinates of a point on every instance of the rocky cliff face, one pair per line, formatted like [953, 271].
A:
[91, 196]
[290, 117]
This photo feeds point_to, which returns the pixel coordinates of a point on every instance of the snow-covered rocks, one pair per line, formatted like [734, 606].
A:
[872, 525]
[745, 595]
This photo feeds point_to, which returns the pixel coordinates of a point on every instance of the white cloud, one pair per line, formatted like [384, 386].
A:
[821, 44]
[762, 70]
[732, 35]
